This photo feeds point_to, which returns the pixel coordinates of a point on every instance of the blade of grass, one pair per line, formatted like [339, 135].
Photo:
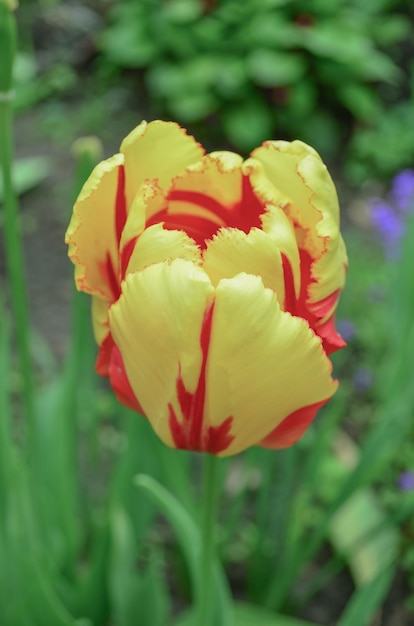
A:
[12, 227]
[190, 542]
[34, 576]
[278, 587]
[366, 600]
[6, 444]
[138, 595]
[57, 429]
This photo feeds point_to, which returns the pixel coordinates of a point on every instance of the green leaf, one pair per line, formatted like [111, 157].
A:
[249, 124]
[359, 532]
[335, 40]
[272, 69]
[392, 29]
[362, 101]
[28, 173]
[272, 29]
[231, 77]
[6, 441]
[322, 131]
[182, 11]
[190, 541]
[377, 65]
[250, 615]
[366, 600]
[193, 107]
[195, 76]
[137, 596]
[30, 569]
[128, 42]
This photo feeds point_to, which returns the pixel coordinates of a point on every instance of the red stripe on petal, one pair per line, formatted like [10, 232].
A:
[201, 200]
[292, 428]
[104, 356]
[290, 295]
[126, 254]
[219, 438]
[250, 208]
[197, 405]
[185, 398]
[107, 268]
[120, 383]
[314, 312]
[188, 434]
[108, 271]
[178, 433]
[306, 279]
[110, 364]
[198, 228]
[244, 214]
[331, 339]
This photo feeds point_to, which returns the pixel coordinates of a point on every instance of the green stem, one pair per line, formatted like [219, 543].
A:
[15, 265]
[210, 498]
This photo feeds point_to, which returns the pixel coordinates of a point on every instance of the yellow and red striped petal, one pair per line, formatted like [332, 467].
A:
[264, 364]
[311, 203]
[279, 229]
[214, 370]
[157, 324]
[157, 150]
[276, 224]
[94, 231]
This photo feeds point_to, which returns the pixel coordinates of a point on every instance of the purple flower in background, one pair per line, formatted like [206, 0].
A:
[389, 225]
[346, 329]
[402, 190]
[406, 481]
[363, 379]
[389, 216]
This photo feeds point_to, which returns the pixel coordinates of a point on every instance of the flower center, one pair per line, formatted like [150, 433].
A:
[201, 214]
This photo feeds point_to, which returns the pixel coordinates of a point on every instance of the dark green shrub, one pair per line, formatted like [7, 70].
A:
[261, 68]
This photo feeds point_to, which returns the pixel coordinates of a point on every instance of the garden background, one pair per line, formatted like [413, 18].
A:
[320, 533]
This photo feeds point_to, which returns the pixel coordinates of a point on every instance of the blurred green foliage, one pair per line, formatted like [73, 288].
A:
[263, 68]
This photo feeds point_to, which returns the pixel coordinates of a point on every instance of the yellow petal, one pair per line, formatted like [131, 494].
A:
[157, 325]
[157, 244]
[100, 323]
[232, 251]
[311, 203]
[158, 150]
[329, 271]
[263, 364]
[298, 173]
[91, 234]
[218, 175]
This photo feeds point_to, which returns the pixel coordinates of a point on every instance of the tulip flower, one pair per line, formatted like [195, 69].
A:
[215, 282]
